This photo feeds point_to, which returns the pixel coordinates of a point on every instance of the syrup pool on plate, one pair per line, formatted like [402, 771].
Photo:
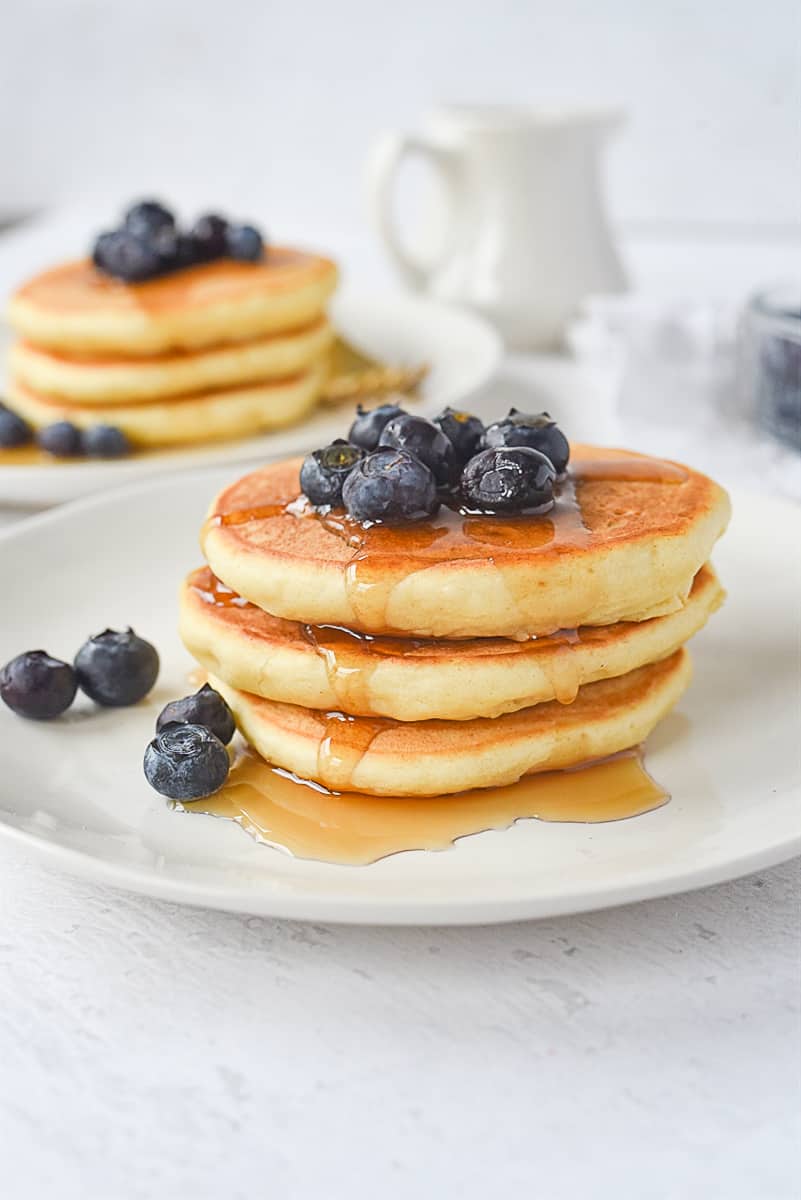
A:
[309, 821]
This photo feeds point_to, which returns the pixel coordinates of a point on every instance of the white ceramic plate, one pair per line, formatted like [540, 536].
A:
[73, 789]
[461, 349]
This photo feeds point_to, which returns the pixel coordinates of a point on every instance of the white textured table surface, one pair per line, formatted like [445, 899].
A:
[648, 1052]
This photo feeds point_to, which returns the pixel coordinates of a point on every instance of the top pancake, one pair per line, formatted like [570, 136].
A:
[75, 307]
[623, 543]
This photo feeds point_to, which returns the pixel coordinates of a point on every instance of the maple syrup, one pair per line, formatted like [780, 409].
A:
[309, 821]
[453, 534]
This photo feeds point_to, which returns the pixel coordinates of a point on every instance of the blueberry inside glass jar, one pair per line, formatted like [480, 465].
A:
[772, 345]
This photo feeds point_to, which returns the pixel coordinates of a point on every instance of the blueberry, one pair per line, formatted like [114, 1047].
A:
[209, 235]
[390, 485]
[14, 430]
[206, 707]
[147, 218]
[61, 439]
[324, 472]
[367, 428]
[509, 479]
[463, 431]
[188, 252]
[105, 441]
[244, 243]
[535, 430]
[166, 243]
[37, 686]
[127, 257]
[425, 440]
[103, 242]
[116, 669]
[186, 762]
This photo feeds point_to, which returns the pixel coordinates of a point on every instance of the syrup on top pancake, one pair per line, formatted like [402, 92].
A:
[624, 541]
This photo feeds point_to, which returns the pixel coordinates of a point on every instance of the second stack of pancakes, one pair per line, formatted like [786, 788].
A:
[216, 350]
[463, 652]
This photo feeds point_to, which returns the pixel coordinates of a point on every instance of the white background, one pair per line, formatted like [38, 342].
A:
[272, 105]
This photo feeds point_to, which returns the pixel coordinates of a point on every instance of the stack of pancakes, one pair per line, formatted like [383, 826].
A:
[461, 652]
[219, 350]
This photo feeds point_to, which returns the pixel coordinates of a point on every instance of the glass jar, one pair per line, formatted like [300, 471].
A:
[772, 344]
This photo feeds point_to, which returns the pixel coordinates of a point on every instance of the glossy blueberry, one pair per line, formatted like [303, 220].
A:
[535, 430]
[127, 257]
[186, 762]
[14, 429]
[116, 668]
[509, 479]
[369, 424]
[62, 439]
[462, 430]
[425, 440]
[205, 707]
[105, 441]
[390, 485]
[37, 686]
[243, 242]
[147, 218]
[324, 472]
[209, 235]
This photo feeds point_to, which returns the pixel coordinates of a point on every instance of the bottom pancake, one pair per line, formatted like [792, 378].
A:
[201, 417]
[328, 668]
[431, 758]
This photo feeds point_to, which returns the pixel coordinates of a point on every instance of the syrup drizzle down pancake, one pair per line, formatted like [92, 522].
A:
[432, 758]
[327, 667]
[624, 541]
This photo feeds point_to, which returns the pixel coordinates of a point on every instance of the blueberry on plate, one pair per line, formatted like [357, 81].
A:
[127, 257]
[14, 429]
[206, 707]
[186, 762]
[116, 668]
[390, 485]
[366, 429]
[147, 218]
[209, 235]
[324, 472]
[62, 439]
[535, 430]
[463, 430]
[244, 243]
[425, 440]
[105, 441]
[509, 479]
[37, 686]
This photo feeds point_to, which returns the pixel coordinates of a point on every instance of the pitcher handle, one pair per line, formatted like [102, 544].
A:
[383, 166]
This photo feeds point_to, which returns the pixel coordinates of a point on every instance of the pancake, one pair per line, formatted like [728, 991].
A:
[76, 308]
[207, 416]
[624, 542]
[105, 381]
[328, 668]
[431, 758]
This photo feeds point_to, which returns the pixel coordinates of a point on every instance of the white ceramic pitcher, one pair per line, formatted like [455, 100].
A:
[527, 238]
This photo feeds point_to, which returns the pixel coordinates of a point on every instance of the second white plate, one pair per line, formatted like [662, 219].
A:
[461, 350]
